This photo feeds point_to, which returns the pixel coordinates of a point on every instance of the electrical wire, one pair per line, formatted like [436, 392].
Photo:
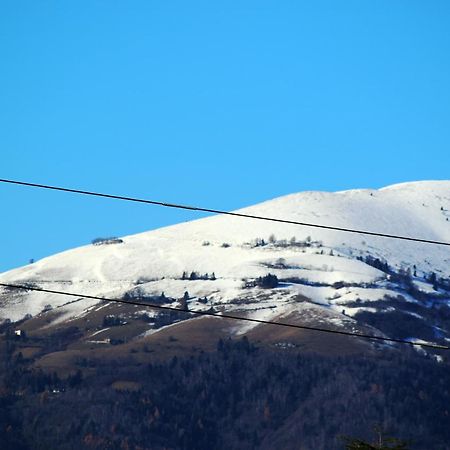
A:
[227, 213]
[235, 214]
[226, 316]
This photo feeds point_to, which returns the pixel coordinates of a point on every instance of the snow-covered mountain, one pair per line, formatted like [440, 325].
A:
[344, 279]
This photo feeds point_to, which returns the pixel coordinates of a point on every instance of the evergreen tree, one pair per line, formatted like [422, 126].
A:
[432, 278]
[184, 301]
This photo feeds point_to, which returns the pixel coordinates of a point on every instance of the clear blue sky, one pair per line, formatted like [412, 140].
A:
[222, 104]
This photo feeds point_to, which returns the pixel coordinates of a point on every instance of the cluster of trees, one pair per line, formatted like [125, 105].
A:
[398, 324]
[139, 294]
[401, 319]
[113, 321]
[381, 442]
[405, 276]
[378, 263]
[238, 397]
[292, 242]
[438, 282]
[163, 318]
[197, 276]
[268, 281]
[106, 240]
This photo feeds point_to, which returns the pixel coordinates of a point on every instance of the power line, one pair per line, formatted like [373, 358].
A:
[228, 213]
[226, 316]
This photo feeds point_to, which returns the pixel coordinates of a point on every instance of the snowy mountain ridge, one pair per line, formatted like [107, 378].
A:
[338, 273]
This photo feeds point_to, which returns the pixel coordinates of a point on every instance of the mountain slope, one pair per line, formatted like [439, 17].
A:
[337, 273]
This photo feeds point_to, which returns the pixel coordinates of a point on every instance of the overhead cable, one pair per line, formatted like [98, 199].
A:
[226, 316]
[227, 213]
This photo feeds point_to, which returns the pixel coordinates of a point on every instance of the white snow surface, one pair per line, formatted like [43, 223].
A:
[158, 258]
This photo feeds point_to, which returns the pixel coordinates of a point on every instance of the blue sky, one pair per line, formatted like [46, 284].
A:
[221, 104]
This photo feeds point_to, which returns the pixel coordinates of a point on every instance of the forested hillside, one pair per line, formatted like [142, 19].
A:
[240, 396]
